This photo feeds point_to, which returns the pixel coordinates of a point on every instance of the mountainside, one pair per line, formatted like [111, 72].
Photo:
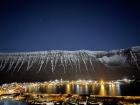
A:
[80, 64]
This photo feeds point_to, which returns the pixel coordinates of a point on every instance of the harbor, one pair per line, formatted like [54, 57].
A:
[62, 92]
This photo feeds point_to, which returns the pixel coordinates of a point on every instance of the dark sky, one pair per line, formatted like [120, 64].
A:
[29, 25]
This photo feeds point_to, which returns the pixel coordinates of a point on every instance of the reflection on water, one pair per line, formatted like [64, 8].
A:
[102, 90]
[118, 90]
[95, 89]
[68, 89]
[51, 89]
[11, 102]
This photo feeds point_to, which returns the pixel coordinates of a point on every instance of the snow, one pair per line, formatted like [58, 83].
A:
[72, 58]
[116, 59]
[43, 57]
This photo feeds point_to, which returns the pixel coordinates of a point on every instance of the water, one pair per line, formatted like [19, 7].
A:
[12, 102]
[129, 89]
[113, 89]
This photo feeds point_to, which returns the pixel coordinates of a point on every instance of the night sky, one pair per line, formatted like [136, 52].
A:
[30, 25]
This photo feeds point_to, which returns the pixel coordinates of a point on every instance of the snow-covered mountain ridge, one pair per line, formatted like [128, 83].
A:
[65, 58]
[56, 64]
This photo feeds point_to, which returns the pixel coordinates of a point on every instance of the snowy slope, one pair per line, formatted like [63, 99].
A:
[64, 58]
[78, 64]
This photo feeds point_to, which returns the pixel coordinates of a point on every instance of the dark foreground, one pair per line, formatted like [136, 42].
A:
[66, 99]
